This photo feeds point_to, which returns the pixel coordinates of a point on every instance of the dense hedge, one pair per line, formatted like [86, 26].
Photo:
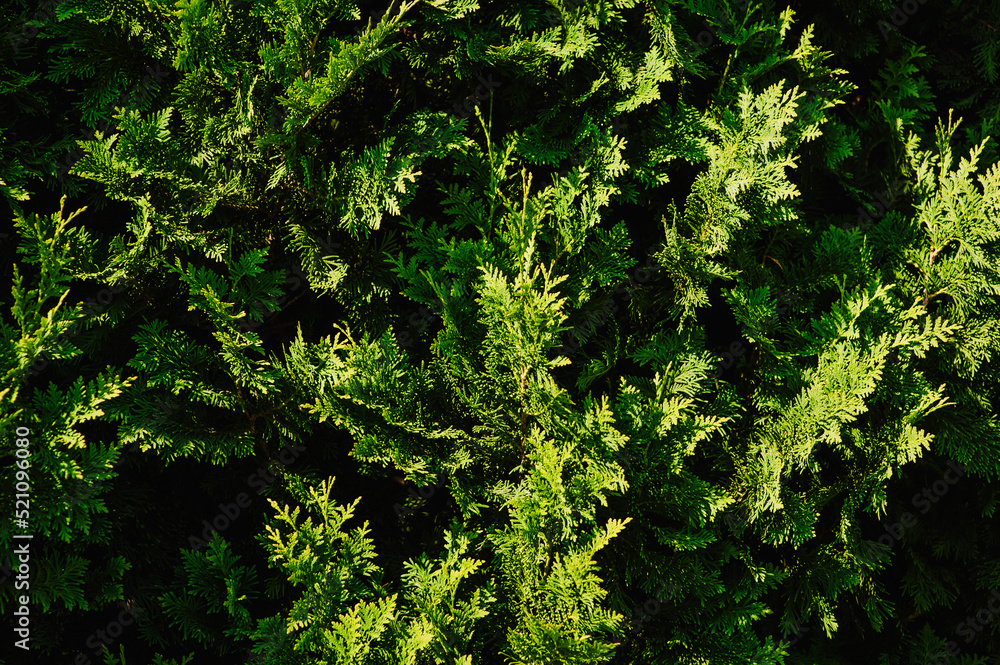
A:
[518, 332]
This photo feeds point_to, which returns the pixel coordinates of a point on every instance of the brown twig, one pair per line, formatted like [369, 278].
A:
[987, 25]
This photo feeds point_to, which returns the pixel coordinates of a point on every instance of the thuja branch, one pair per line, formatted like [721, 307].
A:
[523, 413]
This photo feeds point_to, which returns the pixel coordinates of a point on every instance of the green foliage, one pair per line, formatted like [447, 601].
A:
[308, 262]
